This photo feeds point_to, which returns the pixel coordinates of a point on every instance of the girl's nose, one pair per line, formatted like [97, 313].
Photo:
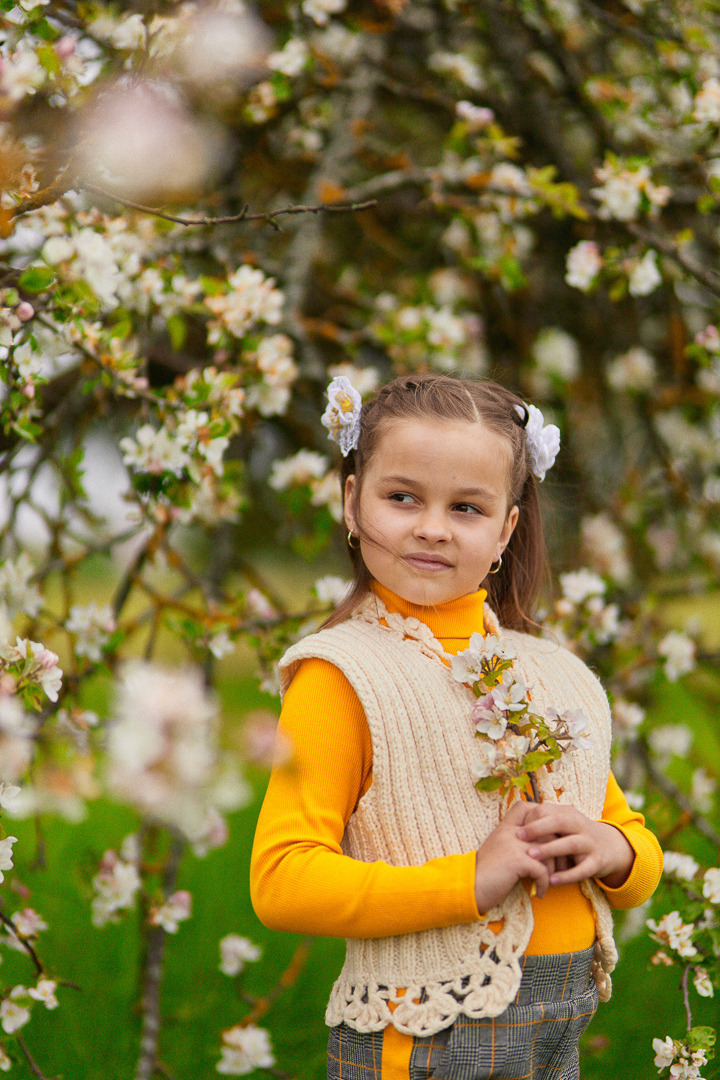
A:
[432, 525]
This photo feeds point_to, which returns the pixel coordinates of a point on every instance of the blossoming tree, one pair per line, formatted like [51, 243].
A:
[208, 209]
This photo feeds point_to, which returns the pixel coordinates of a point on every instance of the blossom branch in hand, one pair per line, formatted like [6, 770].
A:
[516, 741]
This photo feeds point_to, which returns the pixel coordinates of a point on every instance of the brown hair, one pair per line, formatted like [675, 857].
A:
[513, 591]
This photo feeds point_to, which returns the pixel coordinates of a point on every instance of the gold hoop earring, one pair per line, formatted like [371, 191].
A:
[350, 537]
[499, 564]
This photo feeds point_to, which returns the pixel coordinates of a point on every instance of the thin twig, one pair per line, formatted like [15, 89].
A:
[233, 219]
[24, 942]
[34, 1067]
[686, 996]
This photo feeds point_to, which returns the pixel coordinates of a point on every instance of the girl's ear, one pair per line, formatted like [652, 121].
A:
[349, 502]
[508, 528]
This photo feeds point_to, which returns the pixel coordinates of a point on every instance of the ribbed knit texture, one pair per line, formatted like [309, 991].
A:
[422, 804]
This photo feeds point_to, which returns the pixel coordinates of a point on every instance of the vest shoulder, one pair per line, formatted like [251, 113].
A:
[549, 652]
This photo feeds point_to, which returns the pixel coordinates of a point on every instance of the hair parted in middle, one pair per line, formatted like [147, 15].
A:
[514, 590]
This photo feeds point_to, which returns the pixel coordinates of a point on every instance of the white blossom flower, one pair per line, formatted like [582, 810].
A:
[669, 739]
[702, 790]
[331, 589]
[681, 865]
[627, 715]
[327, 492]
[572, 725]
[634, 371]
[175, 910]
[300, 468]
[467, 665]
[235, 952]
[92, 627]
[162, 752]
[619, 195]
[583, 264]
[707, 102]
[17, 591]
[664, 1052]
[154, 452]
[30, 364]
[711, 885]
[291, 59]
[128, 33]
[8, 795]
[5, 1062]
[488, 716]
[116, 886]
[460, 67]
[556, 354]
[6, 854]
[45, 991]
[245, 1049]
[679, 652]
[27, 923]
[702, 983]
[21, 74]
[604, 544]
[645, 276]
[674, 933]
[220, 644]
[493, 756]
[578, 585]
[12, 1015]
[253, 298]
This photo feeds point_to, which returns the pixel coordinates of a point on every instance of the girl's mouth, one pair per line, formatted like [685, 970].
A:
[424, 561]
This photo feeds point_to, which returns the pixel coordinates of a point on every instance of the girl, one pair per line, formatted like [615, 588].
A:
[479, 936]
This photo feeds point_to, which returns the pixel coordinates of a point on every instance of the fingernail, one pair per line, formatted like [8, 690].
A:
[533, 852]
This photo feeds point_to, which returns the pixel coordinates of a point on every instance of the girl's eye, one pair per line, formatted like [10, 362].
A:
[401, 497]
[467, 508]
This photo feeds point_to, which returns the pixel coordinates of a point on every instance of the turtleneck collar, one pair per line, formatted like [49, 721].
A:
[451, 623]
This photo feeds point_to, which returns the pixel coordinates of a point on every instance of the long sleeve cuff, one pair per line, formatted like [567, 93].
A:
[645, 873]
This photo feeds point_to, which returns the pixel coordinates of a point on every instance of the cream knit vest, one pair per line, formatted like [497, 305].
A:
[422, 804]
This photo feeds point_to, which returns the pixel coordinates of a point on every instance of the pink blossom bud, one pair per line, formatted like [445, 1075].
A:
[65, 47]
[28, 391]
[24, 311]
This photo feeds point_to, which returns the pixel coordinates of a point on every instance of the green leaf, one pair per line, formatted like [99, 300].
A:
[177, 329]
[536, 759]
[701, 1038]
[37, 278]
[489, 783]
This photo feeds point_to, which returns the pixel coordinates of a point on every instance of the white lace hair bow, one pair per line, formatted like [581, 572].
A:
[543, 440]
[342, 415]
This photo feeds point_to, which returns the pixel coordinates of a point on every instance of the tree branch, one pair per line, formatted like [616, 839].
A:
[231, 219]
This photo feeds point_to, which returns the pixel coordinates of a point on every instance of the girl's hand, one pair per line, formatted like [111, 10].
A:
[581, 847]
[503, 859]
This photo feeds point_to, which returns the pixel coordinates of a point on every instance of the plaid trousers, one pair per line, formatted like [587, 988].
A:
[535, 1038]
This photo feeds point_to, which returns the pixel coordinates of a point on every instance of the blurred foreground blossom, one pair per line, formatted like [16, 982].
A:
[235, 952]
[163, 755]
[245, 1049]
[141, 141]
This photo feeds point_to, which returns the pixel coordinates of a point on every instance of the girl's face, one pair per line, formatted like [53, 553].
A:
[432, 513]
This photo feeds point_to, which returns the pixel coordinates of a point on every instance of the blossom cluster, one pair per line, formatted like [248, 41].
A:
[516, 742]
[163, 754]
